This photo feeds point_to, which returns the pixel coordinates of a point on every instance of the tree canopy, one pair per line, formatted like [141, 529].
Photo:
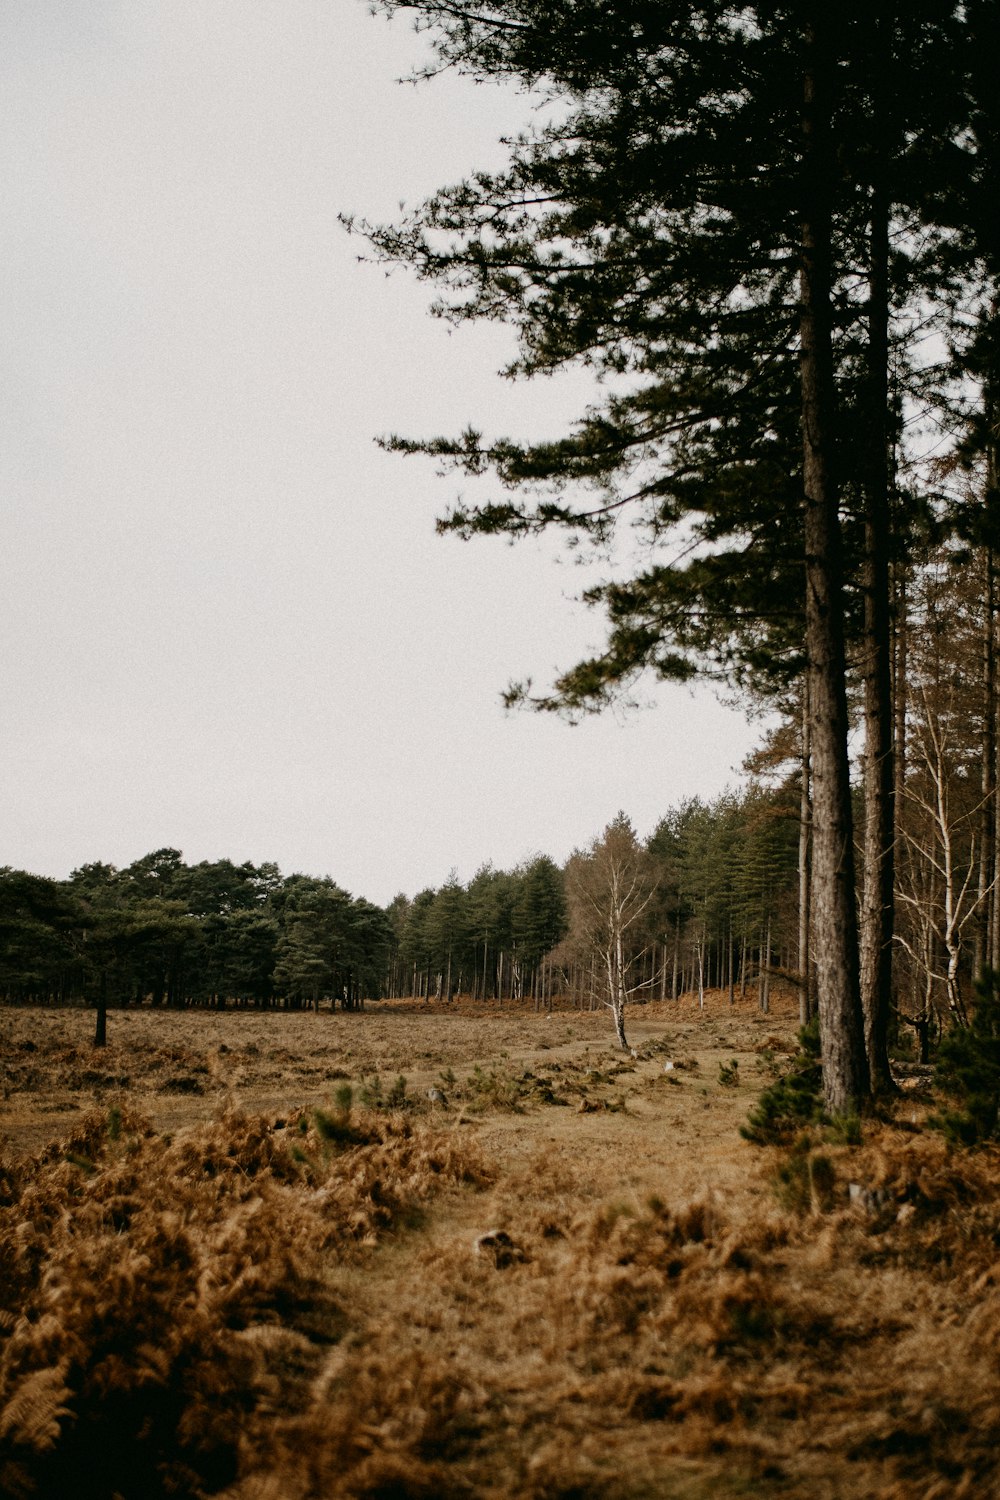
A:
[739, 220]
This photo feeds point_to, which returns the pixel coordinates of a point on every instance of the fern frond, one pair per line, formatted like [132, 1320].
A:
[32, 1416]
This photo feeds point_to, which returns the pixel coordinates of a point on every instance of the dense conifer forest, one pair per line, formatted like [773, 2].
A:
[717, 884]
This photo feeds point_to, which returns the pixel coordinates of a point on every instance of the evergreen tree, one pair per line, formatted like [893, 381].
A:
[126, 928]
[695, 217]
[38, 918]
[539, 912]
[396, 914]
[331, 946]
[415, 944]
[448, 936]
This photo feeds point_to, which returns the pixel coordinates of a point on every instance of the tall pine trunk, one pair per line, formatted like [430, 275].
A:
[991, 751]
[101, 1024]
[765, 969]
[877, 910]
[835, 940]
[987, 830]
[674, 991]
[805, 834]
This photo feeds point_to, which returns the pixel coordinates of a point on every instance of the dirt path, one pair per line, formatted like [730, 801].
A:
[512, 1330]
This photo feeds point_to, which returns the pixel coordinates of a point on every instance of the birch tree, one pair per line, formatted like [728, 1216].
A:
[611, 890]
[943, 888]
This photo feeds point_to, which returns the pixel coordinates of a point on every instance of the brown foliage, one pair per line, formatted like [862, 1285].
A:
[277, 1309]
[161, 1301]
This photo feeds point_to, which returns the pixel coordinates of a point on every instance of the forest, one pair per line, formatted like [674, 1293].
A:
[712, 884]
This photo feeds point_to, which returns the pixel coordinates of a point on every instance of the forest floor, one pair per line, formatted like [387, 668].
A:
[263, 1263]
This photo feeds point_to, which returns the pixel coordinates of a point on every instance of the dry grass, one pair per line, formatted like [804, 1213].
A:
[568, 1278]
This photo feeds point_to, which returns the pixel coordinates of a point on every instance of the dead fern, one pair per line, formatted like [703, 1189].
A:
[161, 1306]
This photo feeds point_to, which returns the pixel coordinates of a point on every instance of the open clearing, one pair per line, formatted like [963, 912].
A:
[568, 1277]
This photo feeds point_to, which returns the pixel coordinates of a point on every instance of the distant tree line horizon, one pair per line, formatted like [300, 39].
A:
[717, 881]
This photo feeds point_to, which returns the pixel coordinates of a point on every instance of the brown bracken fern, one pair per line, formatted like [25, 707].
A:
[161, 1302]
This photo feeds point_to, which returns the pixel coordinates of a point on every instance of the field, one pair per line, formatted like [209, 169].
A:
[251, 1256]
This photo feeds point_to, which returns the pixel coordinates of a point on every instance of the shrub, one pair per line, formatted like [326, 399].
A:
[370, 1092]
[793, 1100]
[496, 1087]
[968, 1071]
[334, 1130]
[805, 1181]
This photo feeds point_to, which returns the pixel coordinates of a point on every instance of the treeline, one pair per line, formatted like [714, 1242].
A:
[169, 934]
[490, 939]
[717, 886]
[717, 882]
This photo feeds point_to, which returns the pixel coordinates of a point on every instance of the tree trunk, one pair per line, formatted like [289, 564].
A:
[765, 976]
[805, 829]
[879, 791]
[101, 1028]
[987, 831]
[991, 403]
[900, 696]
[677, 954]
[614, 969]
[845, 1068]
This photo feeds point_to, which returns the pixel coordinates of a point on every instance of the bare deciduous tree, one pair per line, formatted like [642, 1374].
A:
[611, 888]
[942, 888]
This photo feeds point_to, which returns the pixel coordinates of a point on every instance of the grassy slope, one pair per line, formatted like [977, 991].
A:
[219, 1305]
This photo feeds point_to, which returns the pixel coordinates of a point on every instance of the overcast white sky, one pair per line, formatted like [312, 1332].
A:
[228, 625]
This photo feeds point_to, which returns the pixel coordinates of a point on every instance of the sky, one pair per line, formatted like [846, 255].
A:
[228, 625]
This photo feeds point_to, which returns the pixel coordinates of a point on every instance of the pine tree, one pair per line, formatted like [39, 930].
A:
[684, 221]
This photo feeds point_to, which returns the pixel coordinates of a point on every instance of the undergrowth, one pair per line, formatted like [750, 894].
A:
[793, 1100]
[968, 1072]
[212, 1314]
[821, 1349]
[159, 1300]
[172, 1326]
